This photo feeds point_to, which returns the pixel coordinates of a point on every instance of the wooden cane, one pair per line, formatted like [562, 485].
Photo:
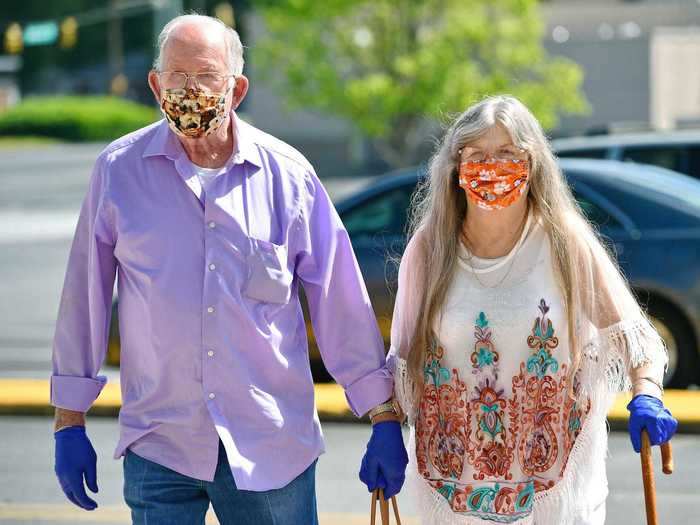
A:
[378, 494]
[648, 475]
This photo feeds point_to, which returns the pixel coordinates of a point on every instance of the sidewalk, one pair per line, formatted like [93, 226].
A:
[31, 397]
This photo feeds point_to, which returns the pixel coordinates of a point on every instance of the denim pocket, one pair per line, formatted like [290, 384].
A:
[269, 279]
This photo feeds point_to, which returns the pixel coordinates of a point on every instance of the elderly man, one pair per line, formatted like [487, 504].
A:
[213, 226]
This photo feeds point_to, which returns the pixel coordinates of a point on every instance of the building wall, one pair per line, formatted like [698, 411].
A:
[675, 77]
[616, 83]
[612, 41]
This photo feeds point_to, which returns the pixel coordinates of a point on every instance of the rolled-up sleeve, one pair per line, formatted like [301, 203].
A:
[344, 323]
[82, 325]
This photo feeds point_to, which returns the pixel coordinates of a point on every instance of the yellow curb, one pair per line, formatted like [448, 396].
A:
[683, 404]
[31, 396]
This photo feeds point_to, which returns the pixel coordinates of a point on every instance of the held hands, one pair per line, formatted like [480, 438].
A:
[649, 412]
[384, 463]
[75, 458]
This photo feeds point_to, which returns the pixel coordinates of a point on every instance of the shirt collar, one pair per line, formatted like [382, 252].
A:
[246, 148]
[164, 142]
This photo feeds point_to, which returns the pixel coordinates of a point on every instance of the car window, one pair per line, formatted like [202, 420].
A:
[596, 214]
[694, 161]
[593, 153]
[665, 156]
[383, 214]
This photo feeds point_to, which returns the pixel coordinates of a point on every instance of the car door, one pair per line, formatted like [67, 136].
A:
[617, 230]
[377, 226]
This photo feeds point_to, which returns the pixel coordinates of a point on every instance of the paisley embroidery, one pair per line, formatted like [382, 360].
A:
[501, 502]
[440, 430]
[540, 398]
[572, 422]
[490, 446]
[484, 353]
[533, 427]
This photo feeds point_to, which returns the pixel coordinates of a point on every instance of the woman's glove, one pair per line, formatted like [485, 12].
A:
[76, 458]
[384, 463]
[648, 412]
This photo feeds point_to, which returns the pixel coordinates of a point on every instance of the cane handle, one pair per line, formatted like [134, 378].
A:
[667, 457]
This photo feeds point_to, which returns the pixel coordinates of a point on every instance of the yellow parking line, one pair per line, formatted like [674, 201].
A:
[119, 514]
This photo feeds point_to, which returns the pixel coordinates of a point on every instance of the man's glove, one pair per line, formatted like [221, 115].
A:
[76, 458]
[384, 463]
[649, 412]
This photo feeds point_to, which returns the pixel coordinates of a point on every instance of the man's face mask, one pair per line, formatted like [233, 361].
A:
[494, 184]
[193, 112]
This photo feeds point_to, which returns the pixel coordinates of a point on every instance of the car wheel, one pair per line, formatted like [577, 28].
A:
[680, 342]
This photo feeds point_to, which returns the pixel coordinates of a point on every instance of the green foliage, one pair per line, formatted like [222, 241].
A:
[75, 118]
[386, 65]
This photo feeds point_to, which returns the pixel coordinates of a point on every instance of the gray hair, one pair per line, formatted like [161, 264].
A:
[233, 41]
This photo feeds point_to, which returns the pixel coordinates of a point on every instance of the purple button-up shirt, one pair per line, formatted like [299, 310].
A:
[213, 340]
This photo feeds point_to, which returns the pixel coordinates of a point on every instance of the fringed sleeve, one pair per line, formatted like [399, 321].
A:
[616, 333]
[403, 326]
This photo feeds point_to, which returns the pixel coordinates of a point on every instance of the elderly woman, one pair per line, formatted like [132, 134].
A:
[513, 329]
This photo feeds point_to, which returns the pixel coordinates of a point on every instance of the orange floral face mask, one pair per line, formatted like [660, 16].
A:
[494, 184]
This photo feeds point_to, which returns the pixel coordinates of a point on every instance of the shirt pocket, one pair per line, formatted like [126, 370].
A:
[269, 279]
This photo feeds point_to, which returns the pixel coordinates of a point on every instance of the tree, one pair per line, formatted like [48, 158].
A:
[388, 65]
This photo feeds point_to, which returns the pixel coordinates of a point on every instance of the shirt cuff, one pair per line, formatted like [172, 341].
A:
[369, 391]
[75, 393]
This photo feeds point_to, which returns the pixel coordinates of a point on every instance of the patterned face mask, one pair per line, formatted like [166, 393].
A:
[494, 184]
[193, 113]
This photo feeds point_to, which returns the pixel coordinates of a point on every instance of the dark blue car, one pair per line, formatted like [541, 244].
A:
[651, 217]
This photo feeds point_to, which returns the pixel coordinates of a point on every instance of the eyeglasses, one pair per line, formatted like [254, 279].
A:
[504, 154]
[205, 80]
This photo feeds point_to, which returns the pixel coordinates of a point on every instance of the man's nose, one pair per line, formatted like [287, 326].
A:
[191, 80]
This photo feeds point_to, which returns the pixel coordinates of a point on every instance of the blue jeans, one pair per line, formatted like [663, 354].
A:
[157, 495]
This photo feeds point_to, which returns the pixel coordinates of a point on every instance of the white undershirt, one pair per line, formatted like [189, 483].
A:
[206, 176]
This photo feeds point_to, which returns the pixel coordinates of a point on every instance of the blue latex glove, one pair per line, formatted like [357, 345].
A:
[384, 463]
[76, 458]
[649, 412]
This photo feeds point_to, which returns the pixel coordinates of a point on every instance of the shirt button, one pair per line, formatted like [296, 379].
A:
[212, 267]
[212, 396]
[210, 353]
[212, 224]
[210, 309]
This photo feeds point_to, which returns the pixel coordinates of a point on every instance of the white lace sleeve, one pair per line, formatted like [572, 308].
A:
[402, 328]
[616, 333]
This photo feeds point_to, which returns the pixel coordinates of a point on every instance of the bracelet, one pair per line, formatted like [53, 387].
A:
[652, 381]
[383, 408]
[65, 427]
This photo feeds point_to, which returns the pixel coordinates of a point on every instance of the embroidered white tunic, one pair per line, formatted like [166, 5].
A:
[496, 437]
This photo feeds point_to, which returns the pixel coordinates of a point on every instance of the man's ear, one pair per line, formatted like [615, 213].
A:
[239, 91]
[154, 84]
